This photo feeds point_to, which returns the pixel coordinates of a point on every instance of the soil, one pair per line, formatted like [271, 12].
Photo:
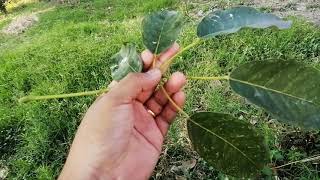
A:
[3, 172]
[307, 9]
[20, 24]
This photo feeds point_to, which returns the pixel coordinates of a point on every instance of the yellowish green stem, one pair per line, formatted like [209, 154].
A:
[208, 78]
[173, 103]
[164, 67]
[154, 60]
[58, 96]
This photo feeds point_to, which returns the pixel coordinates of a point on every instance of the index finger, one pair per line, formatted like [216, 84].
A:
[147, 56]
[168, 54]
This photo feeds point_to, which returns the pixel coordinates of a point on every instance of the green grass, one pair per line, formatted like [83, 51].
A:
[69, 50]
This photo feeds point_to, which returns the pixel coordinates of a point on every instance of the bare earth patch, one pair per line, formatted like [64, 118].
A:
[20, 24]
[308, 9]
[3, 172]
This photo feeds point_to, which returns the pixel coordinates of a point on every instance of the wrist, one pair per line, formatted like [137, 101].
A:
[73, 171]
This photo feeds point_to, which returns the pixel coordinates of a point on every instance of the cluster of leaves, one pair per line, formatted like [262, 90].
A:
[231, 145]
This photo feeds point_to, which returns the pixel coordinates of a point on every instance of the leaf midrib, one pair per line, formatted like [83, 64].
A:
[273, 90]
[131, 67]
[226, 141]
[160, 35]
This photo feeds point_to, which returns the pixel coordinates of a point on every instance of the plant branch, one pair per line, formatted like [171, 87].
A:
[173, 103]
[314, 158]
[208, 78]
[58, 96]
[164, 67]
[154, 59]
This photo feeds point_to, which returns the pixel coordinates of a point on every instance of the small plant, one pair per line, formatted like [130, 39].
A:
[289, 90]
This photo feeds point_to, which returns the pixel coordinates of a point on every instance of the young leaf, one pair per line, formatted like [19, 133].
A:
[228, 144]
[160, 30]
[232, 20]
[125, 61]
[288, 90]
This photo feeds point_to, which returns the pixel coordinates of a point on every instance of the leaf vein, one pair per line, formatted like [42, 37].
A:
[226, 141]
[276, 91]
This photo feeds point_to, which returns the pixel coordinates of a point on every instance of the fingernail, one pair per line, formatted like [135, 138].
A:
[154, 73]
[176, 46]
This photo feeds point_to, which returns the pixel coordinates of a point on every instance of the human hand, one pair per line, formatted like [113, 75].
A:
[118, 138]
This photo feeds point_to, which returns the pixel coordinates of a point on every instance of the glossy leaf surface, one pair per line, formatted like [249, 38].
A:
[232, 20]
[228, 144]
[160, 30]
[288, 90]
[125, 61]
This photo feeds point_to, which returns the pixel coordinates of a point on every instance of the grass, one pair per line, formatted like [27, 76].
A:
[69, 50]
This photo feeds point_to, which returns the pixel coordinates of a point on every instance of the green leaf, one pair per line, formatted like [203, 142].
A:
[125, 61]
[267, 171]
[232, 20]
[288, 90]
[160, 30]
[230, 145]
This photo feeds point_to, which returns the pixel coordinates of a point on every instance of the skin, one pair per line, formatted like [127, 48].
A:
[118, 138]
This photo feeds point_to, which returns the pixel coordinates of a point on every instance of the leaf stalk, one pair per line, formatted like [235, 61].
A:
[208, 78]
[59, 96]
[173, 103]
[165, 66]
[163, 69]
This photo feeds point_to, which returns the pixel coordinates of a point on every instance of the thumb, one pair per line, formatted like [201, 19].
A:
[134, 84]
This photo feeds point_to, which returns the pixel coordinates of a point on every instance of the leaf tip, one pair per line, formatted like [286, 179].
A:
[285, 24]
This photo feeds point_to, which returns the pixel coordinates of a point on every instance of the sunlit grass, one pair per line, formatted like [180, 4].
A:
[18, 3]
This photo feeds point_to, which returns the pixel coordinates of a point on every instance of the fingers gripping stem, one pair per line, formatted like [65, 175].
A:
[173, 103]
[165, 66]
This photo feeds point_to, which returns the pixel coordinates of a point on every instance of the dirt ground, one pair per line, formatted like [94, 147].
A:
[307, 9]
[20, 24]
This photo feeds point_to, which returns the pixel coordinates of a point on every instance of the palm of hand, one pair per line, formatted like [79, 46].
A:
[143, 138]
[139, 146]
[140, 153]
[118, 138]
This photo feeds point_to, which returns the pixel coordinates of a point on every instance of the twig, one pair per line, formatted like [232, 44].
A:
[314, 158]
[58, 96]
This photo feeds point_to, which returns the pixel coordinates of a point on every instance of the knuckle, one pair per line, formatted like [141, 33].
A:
[133, 76]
